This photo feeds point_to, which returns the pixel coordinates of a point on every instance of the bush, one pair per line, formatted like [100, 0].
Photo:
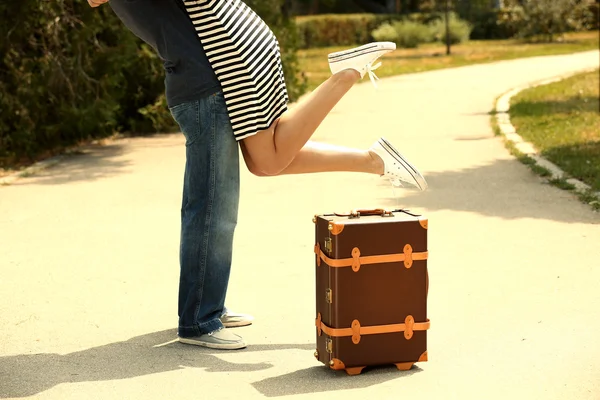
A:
[412, 34]
[548, 19]
[69, 73]
[460, 30]
[385, 33]
[339, 29]
[488, 25]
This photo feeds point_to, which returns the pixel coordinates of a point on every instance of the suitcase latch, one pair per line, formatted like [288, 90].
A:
[329, 296]
[329, 345]
[328, 246]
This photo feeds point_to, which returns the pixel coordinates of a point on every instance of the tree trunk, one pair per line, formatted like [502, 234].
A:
[371, 6]
[447, 13]
[390, 5]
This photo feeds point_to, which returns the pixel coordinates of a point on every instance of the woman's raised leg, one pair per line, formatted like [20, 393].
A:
[317, 157]
[272, 150]
[381, 159]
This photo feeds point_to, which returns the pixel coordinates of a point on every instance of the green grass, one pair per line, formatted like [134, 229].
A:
[433, 56]
[562, 120]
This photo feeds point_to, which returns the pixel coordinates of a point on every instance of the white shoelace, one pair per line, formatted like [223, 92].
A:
[372, 76]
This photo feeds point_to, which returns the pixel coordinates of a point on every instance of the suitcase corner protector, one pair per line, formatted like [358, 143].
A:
[335, 228]
[336, 364]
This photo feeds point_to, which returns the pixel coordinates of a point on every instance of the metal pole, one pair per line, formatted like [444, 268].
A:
[447, 12]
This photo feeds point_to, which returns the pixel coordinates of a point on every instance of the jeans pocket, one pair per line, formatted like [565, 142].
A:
[220, 106]
[187, 116]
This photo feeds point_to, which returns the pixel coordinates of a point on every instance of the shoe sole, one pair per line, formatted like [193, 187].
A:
[218, 346]
[237, 324]
[359, 51]
[416, 175]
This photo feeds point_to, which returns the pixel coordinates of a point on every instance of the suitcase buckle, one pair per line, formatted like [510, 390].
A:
[328, 245]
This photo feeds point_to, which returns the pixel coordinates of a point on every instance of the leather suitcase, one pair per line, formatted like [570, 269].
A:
[371, 289]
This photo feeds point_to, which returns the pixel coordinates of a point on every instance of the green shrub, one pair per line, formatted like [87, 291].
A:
[548, 19]
[489, 25]
[70, 73]
[67, 74]
[385, 33]
[412, 34]
[459, 30]
[339, 29]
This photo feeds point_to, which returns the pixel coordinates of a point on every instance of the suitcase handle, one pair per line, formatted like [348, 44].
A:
[375, 211]
[359, 213]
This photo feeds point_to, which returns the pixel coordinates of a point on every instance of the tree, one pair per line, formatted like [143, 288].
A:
[547, 19]
[69, 73]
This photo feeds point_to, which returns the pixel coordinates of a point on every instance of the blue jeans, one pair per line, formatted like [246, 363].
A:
[209, 212]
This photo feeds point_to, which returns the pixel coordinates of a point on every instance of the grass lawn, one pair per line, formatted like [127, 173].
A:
[433, 56]
[562, 120]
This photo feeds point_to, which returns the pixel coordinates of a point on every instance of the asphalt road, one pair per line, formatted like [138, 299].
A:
[89, 263]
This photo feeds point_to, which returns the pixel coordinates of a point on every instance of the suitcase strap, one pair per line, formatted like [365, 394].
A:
[407, 257]
[356, 331]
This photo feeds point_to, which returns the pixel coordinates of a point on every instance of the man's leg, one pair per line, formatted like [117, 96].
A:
[208, 219]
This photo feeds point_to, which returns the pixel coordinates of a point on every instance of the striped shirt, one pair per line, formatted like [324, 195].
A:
[245, 55]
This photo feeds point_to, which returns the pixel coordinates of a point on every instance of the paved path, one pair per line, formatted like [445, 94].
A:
[88, 263]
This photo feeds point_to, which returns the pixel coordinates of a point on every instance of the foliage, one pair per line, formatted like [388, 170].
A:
[410, 33]
[385, 33]
[64, 70]
[459, 30]
[548, 19]
[485, 18]
[339, 29]
[69, 73]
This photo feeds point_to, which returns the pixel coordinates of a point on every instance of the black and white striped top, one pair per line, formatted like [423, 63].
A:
[245, 56]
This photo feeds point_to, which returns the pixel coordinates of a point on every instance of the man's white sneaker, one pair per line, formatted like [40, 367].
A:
[397, 168]
[222, 339]
[360, 58]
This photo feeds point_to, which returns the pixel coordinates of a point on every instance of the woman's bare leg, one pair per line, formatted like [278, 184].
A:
[274, 149]
[317, 157]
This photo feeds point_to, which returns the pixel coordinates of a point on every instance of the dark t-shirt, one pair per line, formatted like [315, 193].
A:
[165, 26]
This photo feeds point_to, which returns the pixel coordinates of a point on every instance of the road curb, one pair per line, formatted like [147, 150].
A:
[509, 132]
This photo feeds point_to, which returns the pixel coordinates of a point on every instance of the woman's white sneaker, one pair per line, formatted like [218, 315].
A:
[397, 168]
[360, 58]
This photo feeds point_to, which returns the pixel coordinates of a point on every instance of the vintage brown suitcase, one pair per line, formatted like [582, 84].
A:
[371, 289]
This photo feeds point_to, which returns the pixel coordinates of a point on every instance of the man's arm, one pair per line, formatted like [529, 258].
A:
[96, 3]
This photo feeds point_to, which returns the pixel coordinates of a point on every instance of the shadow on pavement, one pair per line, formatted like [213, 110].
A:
[29, 374]
[321, 379]
[499, 190]
[92, 163]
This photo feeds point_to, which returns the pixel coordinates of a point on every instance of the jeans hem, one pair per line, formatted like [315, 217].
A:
[199, 330]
